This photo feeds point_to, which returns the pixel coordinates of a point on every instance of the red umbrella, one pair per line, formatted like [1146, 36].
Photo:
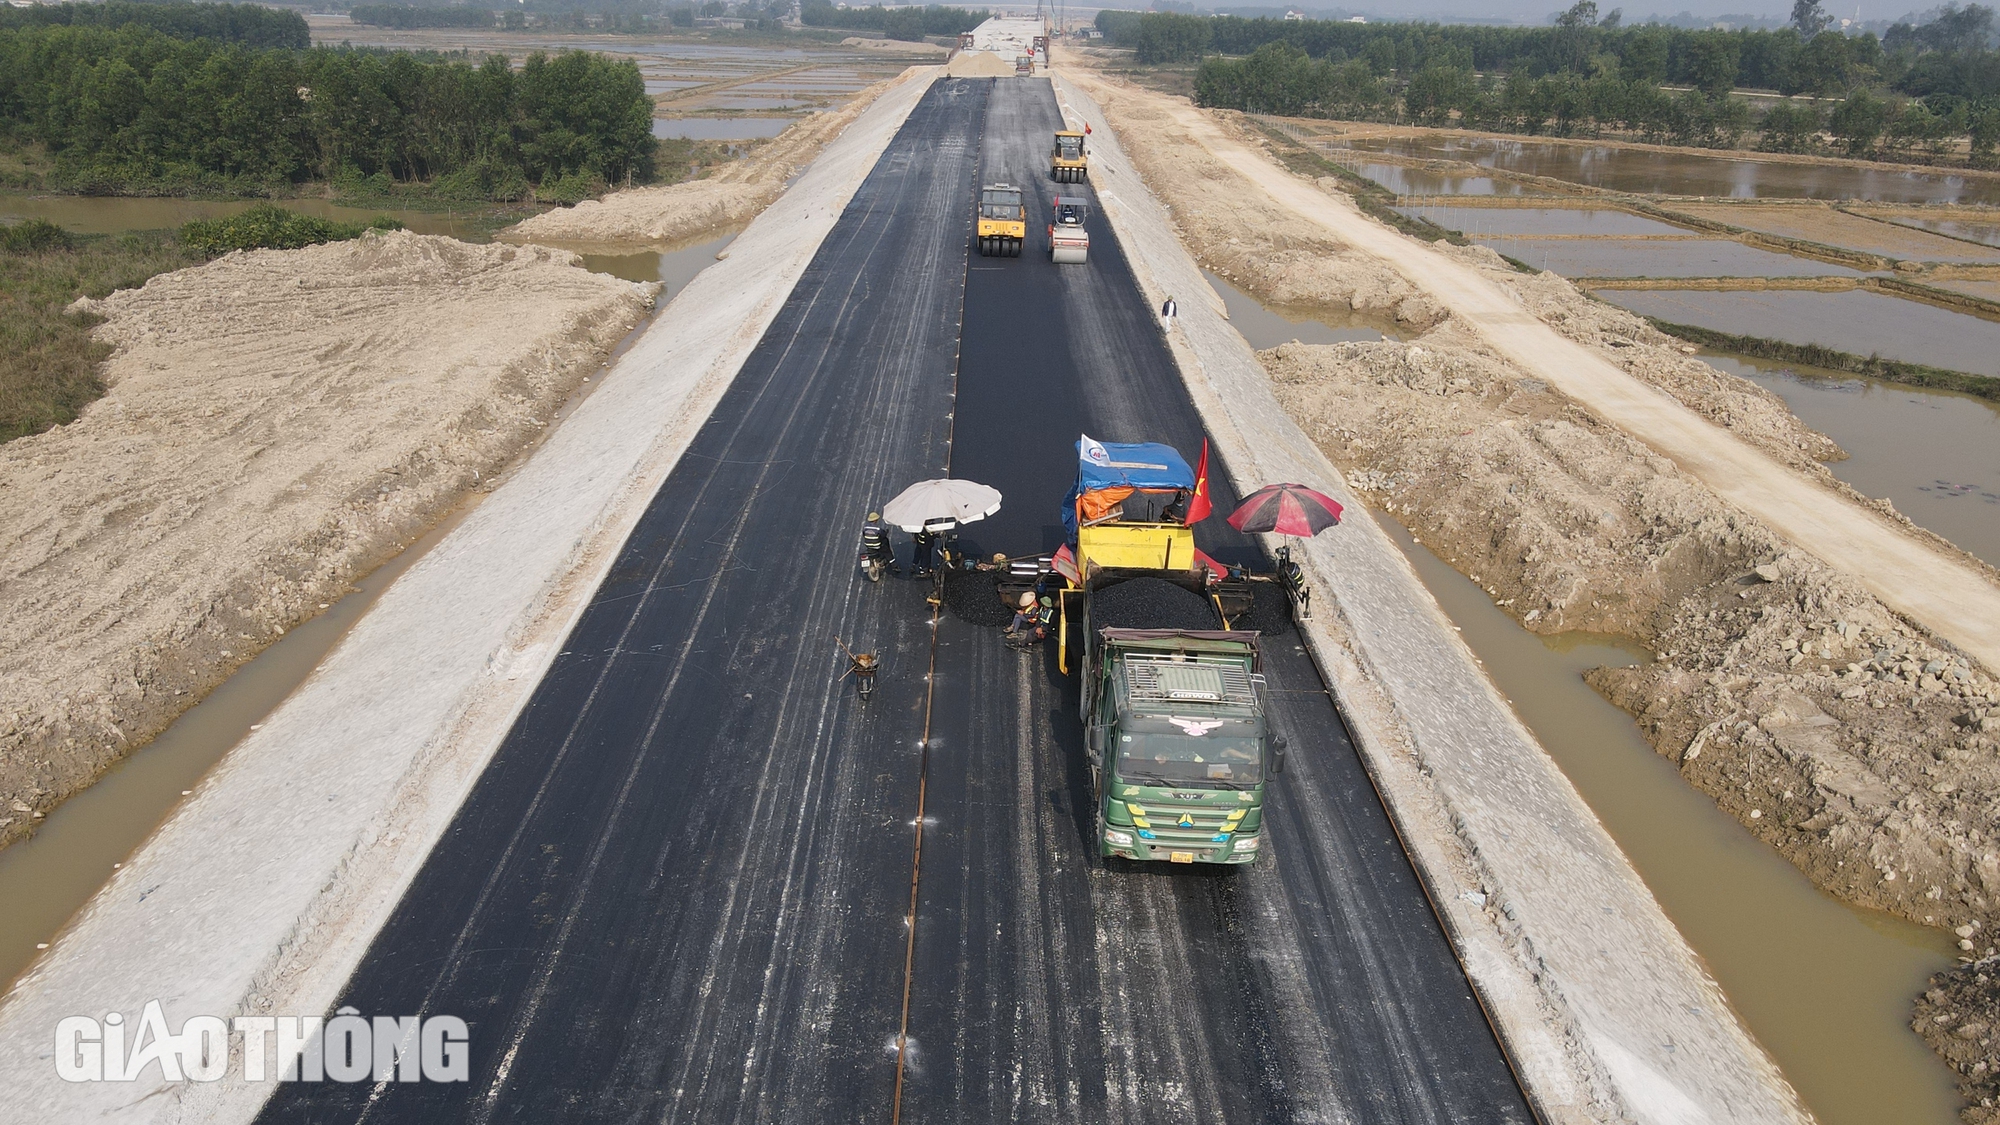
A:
[1288, 509]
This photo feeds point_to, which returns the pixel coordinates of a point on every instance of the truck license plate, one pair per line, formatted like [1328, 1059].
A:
[1181, 857]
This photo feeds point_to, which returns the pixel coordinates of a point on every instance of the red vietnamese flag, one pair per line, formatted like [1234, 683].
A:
[1198, 505]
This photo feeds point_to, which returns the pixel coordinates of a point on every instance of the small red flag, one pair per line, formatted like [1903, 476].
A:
[1086, 128]
[1198, 505]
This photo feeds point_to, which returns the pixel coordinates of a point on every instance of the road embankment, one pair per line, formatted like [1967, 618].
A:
[277, 423]
[1535, 894]
[1822, 695]
[735, 194]
[260, 894]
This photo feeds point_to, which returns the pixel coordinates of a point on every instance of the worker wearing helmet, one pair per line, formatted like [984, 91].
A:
[876, 550]
[1031, 620]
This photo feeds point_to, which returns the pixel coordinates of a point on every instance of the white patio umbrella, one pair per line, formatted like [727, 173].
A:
[940, 505]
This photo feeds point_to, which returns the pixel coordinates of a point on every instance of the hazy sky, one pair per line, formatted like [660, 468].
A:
[1536, 11]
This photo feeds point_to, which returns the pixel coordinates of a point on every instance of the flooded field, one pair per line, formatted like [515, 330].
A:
[1267, 326]
[1681, 173]
[1836, 228]
[1599, 221]
[1934, 454]
[1858, 322]
[1983, 232]
[1825, 987]
[1682, 257]
[1423, 181]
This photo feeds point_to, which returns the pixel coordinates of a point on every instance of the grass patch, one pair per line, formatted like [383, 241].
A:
[48, 362]
[1813, 355]
[268, 226]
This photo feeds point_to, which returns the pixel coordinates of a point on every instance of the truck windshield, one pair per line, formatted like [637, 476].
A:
[1000, 205]
[1069, 148]
[1208, 762]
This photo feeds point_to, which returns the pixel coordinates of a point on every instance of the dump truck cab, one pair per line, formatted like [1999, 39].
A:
[1002, 222]
[1174, 724]
[1069, 242]
[1178, 745]
[1068, 162]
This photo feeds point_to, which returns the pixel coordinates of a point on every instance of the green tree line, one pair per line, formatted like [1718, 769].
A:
[132, 109]
[911, 24]
[247, 24]
[1918, 89]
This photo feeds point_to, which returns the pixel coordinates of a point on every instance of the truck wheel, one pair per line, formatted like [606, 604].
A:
[1014, 251]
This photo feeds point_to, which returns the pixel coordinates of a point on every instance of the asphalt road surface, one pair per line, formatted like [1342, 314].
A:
[680, 892]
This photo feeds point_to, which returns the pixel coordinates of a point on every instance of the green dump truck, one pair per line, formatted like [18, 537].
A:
[1179, 748]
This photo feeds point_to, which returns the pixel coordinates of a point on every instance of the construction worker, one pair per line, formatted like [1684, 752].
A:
[877, 554]
[1031, 621]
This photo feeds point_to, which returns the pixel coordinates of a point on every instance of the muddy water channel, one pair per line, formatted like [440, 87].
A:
[45, 879]
[1825, 987]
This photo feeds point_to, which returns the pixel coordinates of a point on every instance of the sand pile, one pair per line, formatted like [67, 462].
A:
[277, 422]
[979, 64]
[896, 46]
[731, 197]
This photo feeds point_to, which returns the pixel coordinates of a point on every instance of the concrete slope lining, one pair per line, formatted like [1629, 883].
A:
[1606, 1010]
[1314, 986]
[677, 891]
[262, 891]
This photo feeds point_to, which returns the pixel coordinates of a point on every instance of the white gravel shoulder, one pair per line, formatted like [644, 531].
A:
[260, 894]
[1606, 1012]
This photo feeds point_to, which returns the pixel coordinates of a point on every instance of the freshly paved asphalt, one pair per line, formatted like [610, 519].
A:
[679, 891]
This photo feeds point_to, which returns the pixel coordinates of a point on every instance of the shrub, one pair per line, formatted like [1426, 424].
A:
[36, 236]
[264, 227]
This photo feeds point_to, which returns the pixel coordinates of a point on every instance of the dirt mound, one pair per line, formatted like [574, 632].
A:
[895, 46]
[974, 597]
[979, 64]
[1835, 730]
[277, 423]
[1150, 603]
[675, 213]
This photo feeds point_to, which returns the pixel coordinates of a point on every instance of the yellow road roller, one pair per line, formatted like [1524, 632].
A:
[1068, 163]
[1003, 221]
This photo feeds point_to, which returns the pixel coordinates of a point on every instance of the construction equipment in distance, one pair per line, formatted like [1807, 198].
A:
[1069, 163]
[1068, 241]
[1175, 732]
[1003, 221]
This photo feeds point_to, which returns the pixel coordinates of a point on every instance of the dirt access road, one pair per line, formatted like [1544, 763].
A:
[1946, 595]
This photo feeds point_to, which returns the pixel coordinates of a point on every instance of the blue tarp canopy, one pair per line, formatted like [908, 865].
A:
[1110, 464]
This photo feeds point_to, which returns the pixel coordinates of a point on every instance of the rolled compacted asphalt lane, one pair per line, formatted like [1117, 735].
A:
[681, 890]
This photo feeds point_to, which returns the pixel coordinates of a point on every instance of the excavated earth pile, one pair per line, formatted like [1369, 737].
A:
[277, 423]
[731, 197]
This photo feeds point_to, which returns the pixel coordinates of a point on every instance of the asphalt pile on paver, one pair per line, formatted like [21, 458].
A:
[973, 596]
[277, 423]
[1270, 613]
[1150, 603]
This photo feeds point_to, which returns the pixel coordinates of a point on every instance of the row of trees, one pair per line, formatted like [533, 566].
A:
[1918, 90]
[1949, 55]
[543, 18]
[248, 24]
[133, 109]
[909, 24]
